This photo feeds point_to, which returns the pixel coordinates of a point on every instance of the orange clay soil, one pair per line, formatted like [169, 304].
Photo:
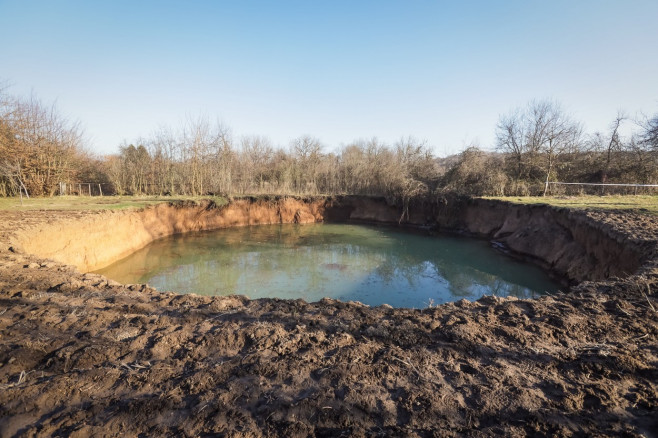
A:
[81, 355]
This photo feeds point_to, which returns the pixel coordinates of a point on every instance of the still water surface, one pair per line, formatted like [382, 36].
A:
[374, 265]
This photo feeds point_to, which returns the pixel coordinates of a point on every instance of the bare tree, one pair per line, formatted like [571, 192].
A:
[257, 160]
[649, 135]
[36, 139]
[559, 134]
[418, 162]
[609, 149]
[13, 173]
[197, 150]
[541, 129]
[476, 172]
[136, 165]
[614, 144]
[307, 151]
[511, 138]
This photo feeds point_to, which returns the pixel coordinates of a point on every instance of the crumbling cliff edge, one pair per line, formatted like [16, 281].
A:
[573, 245]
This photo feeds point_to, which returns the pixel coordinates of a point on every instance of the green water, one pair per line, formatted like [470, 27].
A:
[348, 262]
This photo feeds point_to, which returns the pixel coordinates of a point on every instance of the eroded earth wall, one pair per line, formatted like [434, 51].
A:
[96, 240]
[572, 245]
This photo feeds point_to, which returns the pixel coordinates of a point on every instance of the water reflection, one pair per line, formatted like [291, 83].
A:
[368, 264]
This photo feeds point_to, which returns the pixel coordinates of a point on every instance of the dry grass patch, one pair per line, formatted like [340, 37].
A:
[639, 203]
[95, 202]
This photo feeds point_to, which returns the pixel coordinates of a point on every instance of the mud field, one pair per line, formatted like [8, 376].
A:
[83, 356]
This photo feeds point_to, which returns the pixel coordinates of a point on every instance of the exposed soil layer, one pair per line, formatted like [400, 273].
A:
[96, 239]
[84, 356]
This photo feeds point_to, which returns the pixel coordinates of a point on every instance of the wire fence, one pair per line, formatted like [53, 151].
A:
[85, 189]
[552, 188]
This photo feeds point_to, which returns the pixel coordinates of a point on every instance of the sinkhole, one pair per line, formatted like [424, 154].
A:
[371, 264]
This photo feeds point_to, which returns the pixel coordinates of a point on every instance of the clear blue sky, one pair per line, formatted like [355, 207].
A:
[442, 71]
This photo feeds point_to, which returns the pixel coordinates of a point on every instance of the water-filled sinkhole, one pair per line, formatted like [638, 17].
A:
[374, 265]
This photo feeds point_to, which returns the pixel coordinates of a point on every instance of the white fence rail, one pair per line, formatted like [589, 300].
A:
[603, 184]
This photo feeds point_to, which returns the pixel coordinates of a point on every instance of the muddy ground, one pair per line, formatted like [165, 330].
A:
[84, 356]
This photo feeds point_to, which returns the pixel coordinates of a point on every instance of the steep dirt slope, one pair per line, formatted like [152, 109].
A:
[93, 240]
[572, 244]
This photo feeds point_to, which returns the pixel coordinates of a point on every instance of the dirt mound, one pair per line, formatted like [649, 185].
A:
[84, 356]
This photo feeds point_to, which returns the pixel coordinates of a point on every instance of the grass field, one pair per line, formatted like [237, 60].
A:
[642, 203]
[95, 202]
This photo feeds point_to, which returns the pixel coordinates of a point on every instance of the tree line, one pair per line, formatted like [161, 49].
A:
[540, 143]
[200, 157]
[39, 147]
[535, 144]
